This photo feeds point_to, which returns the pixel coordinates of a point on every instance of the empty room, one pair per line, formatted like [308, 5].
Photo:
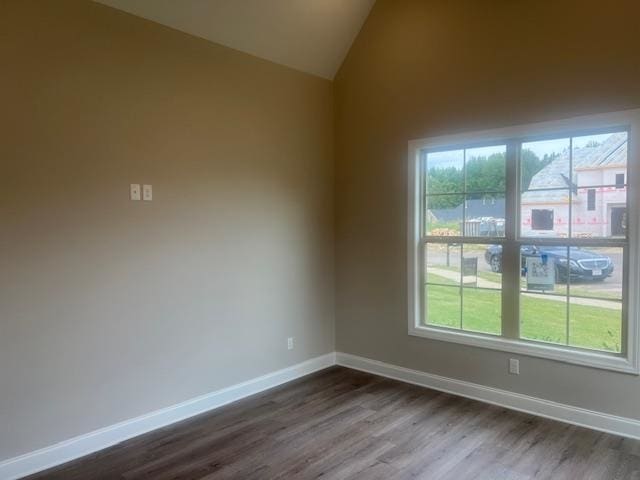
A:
[301, 239]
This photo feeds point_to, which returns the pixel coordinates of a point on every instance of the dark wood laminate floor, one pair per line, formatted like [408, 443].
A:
[344, 424]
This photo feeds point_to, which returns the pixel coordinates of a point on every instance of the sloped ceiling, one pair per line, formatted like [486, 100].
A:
[309, 35]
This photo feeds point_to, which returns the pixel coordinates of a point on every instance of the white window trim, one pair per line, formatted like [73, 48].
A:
[629, 363]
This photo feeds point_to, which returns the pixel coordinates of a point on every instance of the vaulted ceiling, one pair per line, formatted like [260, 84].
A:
[309, 35]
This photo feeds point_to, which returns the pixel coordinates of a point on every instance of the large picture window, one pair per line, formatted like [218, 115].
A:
[510, 249]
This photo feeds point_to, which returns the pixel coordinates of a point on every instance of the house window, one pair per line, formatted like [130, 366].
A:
[591, 199]
[542, 219]
[551, 283]
[619, 180]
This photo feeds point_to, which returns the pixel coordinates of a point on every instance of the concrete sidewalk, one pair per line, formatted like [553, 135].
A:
[483, 283]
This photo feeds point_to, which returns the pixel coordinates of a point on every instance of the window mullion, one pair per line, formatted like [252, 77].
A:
[510, 248]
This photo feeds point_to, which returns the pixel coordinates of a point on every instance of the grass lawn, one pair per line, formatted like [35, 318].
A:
[541, 319]
[582, 289]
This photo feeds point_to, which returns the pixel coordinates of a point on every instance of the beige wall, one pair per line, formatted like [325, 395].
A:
[422, 68]
[109, 308]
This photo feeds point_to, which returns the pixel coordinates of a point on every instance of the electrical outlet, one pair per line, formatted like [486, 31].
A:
[514, 366]
[147, 193]
[134, 191]
[290, 343]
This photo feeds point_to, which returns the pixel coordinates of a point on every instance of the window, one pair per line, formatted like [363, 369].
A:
[591, 199]
[535, 270]
[620, 180]
[542, 219]
[452, 277]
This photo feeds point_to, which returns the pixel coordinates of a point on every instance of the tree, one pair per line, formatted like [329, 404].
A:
[483, 175]
[486, 175]
[448, 181]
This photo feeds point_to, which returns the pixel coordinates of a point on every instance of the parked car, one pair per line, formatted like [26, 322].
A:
[583, 264]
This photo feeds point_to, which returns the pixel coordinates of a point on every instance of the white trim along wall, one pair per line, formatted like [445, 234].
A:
[79, 446]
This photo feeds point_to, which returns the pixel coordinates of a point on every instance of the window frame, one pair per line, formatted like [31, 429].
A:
[629, 360]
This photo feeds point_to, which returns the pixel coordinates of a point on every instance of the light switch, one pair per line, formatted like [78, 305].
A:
[147, 193]
[134, 191]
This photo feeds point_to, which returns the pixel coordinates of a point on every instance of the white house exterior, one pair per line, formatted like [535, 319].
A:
[596, 189]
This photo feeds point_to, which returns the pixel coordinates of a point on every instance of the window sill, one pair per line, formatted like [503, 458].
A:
[546, 351]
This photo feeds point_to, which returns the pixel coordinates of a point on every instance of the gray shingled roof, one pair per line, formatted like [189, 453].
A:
[613, 151]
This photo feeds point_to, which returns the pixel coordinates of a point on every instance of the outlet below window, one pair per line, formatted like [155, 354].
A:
[514, 366]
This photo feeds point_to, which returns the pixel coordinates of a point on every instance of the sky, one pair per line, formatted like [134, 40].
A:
[455, 158]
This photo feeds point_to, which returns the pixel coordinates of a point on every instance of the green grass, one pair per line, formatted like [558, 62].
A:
[541, 319]
[443, 306]
[433, 278]
[481, 310]
[583, 289]
[589, 326]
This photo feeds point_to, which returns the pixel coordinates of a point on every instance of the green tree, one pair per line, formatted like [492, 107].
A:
[445, 181]
[486, 174]
[483, 175]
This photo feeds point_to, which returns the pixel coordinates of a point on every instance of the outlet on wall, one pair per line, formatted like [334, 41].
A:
[147, 193]
[290, 343]
[514, 366]
[134, 191]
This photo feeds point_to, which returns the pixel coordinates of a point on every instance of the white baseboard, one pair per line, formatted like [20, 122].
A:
[623, 426]
[105, 437]
[76, 447]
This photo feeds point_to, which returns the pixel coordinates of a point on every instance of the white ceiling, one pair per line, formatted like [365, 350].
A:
[309, 35]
